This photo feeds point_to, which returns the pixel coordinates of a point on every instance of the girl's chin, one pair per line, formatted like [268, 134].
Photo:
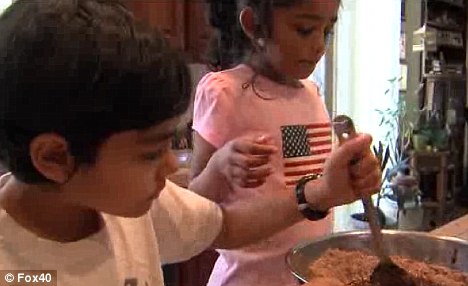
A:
[305, 72]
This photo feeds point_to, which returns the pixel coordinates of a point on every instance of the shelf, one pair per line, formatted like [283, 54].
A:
[454, 3]
[448, 46]
[445, 27]
[430, 204]
[453, 76]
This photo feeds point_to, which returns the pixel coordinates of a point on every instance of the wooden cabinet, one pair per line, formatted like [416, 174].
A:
[183, 22]
[198, 31]
[167, 16]
[439, 194]
[445, 95]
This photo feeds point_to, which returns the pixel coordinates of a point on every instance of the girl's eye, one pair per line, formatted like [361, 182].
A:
[304, 32]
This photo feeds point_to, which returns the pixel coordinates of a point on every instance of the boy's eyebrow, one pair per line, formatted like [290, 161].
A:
[315, 17]
[155, 137]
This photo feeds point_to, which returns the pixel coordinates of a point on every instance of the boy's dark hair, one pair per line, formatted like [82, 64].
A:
[81, 69]
[230, 45]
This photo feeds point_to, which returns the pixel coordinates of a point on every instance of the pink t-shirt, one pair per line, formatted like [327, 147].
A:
[226, 107]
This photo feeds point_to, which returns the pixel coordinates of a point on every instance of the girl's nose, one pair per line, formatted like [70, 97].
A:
[320, 44]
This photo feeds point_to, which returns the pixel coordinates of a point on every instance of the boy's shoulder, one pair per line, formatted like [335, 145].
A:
[22, 250]
[95, 259]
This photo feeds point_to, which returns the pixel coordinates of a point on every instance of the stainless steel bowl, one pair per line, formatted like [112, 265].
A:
[445, 251]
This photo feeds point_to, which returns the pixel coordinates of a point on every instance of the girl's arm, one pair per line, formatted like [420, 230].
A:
[247, 221]
[242, 162]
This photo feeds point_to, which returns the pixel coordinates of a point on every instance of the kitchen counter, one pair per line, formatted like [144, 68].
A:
[456, 228]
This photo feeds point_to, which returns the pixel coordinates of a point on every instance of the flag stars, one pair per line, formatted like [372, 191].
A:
[295, 141]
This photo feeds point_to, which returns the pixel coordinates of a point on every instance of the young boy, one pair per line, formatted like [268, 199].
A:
[88, 104]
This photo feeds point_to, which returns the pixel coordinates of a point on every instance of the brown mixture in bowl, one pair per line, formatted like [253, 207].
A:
[354, 268]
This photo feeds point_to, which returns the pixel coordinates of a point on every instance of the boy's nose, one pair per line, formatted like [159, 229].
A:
[170, 163]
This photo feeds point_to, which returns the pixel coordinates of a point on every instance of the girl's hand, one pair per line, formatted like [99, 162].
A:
[245, 161]
[344, 182]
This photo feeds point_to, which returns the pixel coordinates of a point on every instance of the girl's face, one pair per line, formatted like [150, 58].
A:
[299, 33]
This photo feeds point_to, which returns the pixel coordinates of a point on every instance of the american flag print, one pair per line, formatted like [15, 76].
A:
[305, 148]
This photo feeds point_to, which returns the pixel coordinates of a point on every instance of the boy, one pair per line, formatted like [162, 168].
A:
[88, 104]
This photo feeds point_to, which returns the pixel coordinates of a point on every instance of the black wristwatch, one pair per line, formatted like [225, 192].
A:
[302, 204]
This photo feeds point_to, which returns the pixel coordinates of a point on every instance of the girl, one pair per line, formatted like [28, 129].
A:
[264, 50]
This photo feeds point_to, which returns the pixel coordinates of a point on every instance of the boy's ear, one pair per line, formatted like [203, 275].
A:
[247, 21]
[51, 157]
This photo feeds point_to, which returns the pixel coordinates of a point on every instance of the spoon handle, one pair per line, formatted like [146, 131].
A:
[377, 238]
[344, 129]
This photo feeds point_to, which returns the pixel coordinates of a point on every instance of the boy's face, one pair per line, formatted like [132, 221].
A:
[298, 36]
[129, 173]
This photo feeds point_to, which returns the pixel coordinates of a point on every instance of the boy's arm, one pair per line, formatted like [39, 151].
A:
[253, 218]
[201, 154]
[186, 224]
[248, 221]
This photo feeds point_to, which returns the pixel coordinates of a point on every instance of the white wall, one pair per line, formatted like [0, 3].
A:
[318, 76]
[366, 57]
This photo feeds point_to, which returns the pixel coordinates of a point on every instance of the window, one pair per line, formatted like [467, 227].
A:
[4, 4]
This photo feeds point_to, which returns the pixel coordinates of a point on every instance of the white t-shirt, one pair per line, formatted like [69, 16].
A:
[125, 252]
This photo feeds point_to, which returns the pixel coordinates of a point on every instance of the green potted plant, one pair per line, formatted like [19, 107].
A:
[393, 152]
[399, 141]
[383, 155]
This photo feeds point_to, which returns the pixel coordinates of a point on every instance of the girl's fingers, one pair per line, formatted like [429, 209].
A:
[254, 174]
[369, 184]
[245, 183]
[363, 168]
[257, 161]
[364, 165]
[251, 174]
[254, 183]
[248, 162]
[247, 147]
[351, 149]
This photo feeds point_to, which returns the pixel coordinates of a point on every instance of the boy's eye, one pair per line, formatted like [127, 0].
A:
[152, 156]
[304, 32]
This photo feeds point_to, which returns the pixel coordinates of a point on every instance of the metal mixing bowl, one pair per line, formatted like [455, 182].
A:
[445, 251]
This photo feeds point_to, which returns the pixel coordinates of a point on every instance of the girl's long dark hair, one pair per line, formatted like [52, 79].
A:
[230, 45]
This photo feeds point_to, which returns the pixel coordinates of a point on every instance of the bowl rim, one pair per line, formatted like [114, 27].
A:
[303, 244]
